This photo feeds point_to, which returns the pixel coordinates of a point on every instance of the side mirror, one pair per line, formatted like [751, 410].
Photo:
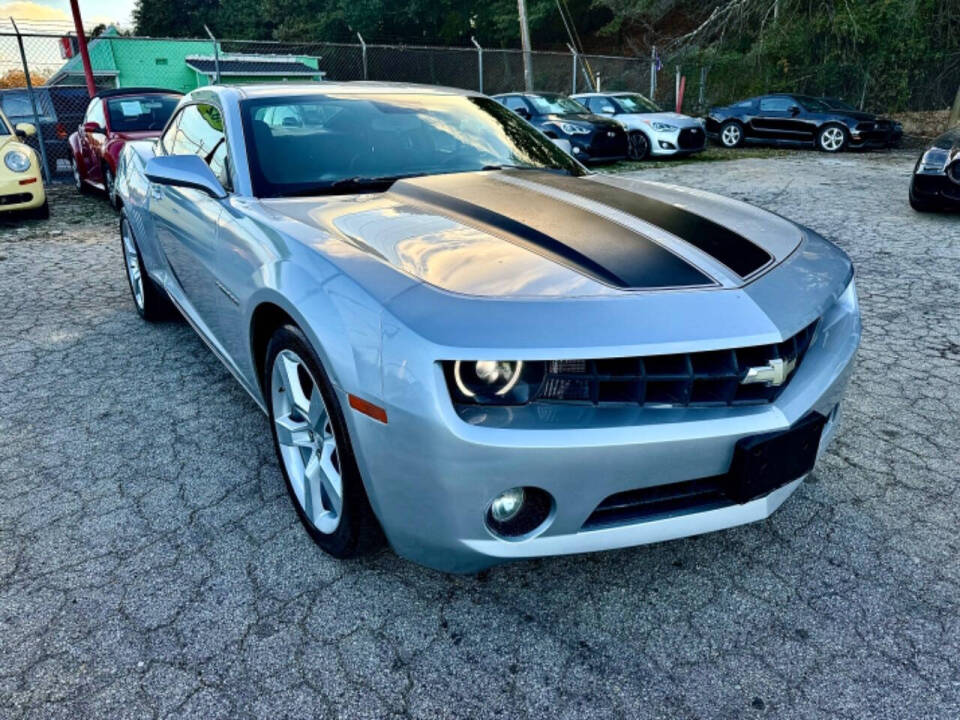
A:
[184, 171]
[523, 112]
[92, 127]
[794, 110]
[25, 130]
[608, 110]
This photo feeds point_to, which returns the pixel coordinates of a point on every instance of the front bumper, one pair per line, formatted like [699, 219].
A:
[937, 189]
[15, 195]
[431, 474]
[601, 146]
[684, 141]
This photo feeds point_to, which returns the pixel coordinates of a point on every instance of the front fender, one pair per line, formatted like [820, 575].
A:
[341, 321]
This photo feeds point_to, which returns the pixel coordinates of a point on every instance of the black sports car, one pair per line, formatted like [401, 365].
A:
[936, 178]
[593, 138]
[783, 119]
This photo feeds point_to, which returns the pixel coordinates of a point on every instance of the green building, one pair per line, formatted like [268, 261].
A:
[178, 64]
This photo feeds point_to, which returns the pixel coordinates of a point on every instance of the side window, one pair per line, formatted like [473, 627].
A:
[516, 103]
[199, 132]
[166, 141]
[776, 104]
[95, 113]
[597, 104]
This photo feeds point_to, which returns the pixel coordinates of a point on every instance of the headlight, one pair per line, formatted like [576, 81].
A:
[571, 129]
[663, 127]
[17, 160]
[493, 382]
[934, 161]
[848, 299]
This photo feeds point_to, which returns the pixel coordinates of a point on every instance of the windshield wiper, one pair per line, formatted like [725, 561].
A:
[359, 182]
[555, 170]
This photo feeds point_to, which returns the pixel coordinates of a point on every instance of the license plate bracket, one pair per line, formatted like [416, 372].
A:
[763, 463]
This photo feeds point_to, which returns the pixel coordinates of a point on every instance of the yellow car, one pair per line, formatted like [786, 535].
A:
[21, 183]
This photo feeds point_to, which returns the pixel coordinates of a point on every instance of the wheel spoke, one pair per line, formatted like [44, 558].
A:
[330, 478]
[317, 412]
[290, 382]
[293, 432]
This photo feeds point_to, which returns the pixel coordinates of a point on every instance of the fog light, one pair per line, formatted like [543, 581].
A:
[507, 504]
[576, 151]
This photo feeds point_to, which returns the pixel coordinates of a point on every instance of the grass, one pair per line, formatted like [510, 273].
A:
[713, 153]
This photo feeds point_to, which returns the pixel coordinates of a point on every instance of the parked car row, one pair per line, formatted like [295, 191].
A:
[595, 128]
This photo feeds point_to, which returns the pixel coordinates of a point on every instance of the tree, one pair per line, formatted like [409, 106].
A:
[17, 79]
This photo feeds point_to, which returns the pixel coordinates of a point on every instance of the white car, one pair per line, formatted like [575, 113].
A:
[651, 130]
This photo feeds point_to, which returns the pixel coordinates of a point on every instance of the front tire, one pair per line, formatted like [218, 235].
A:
[40, 213]
[314, 451]
[832, 139]
[638, 146]
[150, 300]
[731, 134]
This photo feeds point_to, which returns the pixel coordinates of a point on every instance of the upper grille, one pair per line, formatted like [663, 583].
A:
[700, 379]
[690, 138]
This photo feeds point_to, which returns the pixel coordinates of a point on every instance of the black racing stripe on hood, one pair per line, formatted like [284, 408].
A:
[723, 244]
[592, 245]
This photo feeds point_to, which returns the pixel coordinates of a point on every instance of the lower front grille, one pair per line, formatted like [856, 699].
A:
[705, 379]
[16, 198]
[691, 138]
[660, 501]
[603, 144]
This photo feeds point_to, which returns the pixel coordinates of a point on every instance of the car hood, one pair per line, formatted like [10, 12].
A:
[949, 141]
[857, 115]
[583, 118]
[539, 234]
[673, 118]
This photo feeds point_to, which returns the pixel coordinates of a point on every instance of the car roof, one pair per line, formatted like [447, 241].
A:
[117, 92]
[356, 87]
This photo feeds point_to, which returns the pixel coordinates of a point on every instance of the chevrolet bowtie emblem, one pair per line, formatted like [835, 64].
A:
[774, 373]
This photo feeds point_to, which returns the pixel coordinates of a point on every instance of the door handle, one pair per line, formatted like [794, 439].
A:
[156, 192]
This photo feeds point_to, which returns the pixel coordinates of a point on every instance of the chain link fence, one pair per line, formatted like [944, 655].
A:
[59, 96]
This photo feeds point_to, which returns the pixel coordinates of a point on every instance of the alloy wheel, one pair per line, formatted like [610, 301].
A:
[831, 139]
[731, 135]
[131, 258]
[308, 446]
[638, 146]
[77, 180]
[111, 183]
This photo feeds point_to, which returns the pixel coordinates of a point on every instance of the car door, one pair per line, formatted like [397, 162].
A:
[186, 220]
[92, 141]
[776, 119]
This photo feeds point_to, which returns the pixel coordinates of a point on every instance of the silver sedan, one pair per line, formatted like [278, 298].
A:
[471, 347]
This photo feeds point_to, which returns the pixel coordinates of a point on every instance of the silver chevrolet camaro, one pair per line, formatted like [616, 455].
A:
[470, 346]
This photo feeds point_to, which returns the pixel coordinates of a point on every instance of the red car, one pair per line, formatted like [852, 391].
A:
[112, 118]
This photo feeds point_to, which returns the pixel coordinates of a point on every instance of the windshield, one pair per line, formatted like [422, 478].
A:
[555, 105]
[636, 104]
[839, 104]
[353, 142]
[136, 113]
[814, 104]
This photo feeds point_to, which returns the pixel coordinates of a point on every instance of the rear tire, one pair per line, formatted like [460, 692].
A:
[638, 146]
[78, 183]
[150, 300]
[315, 453]
[832, 139]
[731, 134]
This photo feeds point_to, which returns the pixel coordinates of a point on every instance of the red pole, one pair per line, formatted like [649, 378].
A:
[82, 42]
[683, 86]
